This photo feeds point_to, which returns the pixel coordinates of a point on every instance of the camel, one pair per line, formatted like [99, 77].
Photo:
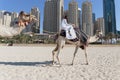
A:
[10, 31]
[61, 43]
[16, 29]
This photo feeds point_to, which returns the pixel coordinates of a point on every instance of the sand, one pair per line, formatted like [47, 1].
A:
[34, 63]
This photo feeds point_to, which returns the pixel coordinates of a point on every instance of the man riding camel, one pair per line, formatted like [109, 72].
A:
[69, 29]
[73, 33]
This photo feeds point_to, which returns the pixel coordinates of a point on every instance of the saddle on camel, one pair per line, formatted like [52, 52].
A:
[80, 36]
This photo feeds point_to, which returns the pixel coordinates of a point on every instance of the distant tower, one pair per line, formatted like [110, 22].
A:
[109, 16]
[65, 13]
[73, 13]
[35, 11]
[93, 19]
[60, 13]
[7, 18]
[100, 25]
[79, 18]
[1, 17]
[87, 23]
[53, 12]
[14, 16]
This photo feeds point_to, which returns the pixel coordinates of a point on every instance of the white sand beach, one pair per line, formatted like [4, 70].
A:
[34, 63]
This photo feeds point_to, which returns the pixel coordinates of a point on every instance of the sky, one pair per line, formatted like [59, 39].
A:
[26, 5]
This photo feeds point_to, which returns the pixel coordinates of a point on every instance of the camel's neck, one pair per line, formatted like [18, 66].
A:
[20, 29]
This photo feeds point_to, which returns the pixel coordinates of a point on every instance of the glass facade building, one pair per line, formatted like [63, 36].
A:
[109, 16]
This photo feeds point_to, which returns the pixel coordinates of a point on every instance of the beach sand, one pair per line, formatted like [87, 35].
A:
[34, 63]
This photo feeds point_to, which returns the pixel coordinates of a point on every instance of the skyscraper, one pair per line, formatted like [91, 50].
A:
[87, 23]
[100, 25]
[60, 13]
[93, 19]
[1, 17]
[73, 13]
[79, 18]
[35, 11]
[14, 16]
[109, 16]
[65, 13]
[7, 18]
[53, 12]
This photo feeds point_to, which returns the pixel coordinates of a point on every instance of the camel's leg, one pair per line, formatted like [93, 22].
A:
[58, 55]
[76, 49]
[53, 53]
[86, 56]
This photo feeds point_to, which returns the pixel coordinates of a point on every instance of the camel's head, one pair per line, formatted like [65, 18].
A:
[33, 18]
[98, 34]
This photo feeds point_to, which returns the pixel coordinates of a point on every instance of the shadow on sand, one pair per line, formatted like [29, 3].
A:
[45, 63]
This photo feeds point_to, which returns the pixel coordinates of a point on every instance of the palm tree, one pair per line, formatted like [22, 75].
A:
[110, 35]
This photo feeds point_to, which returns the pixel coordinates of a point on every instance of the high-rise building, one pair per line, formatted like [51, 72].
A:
[100, 25]
[14, 16]
[93, 17]
[109, 16]
[7, 18]
[79, 18]
[73, 13]
[65, 13]
[36, 28]
[87, 23]
[1, 17]
[60, 13]
[53, 12]
[94, 20]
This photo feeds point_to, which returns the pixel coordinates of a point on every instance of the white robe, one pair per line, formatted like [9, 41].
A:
[68, 27]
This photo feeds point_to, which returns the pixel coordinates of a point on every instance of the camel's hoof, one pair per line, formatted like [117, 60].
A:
[86, 64]
[53, 62]
[56, 65]
[71, 64]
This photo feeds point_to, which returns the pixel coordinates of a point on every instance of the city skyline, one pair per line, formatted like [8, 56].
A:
[17, 6]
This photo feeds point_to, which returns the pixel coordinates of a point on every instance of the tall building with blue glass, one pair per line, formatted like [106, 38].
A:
[109, 16]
